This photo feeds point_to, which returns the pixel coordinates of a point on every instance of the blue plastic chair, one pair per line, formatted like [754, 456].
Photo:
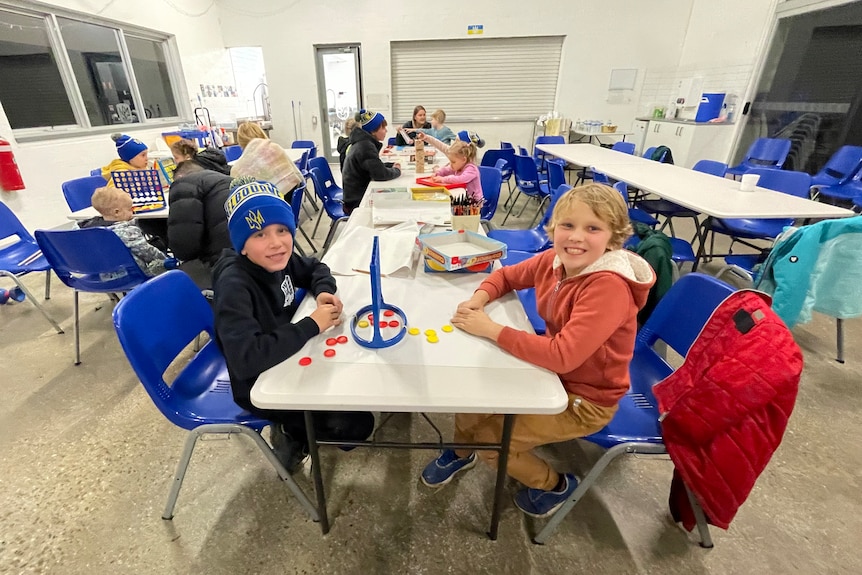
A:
[739, 229]
[763, 153]
[392, 142]
[155, 323]
[333, 207]
[648, 152]
[491, 179]
[526, 296]
[295, 201]
[21, 257]
[491, 157]
[312, 147]
[90, 260]
[232, 153]
[635, 428]
[842, 166]
[534, 239]
[322, 164]
[79, 192]
[528, 183]
[96, 172]
[541, 158]
[671, 210]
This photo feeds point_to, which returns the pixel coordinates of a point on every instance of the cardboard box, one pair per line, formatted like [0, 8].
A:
[460, 251]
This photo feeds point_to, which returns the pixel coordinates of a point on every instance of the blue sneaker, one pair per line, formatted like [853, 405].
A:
[539, 503]
[441, 471]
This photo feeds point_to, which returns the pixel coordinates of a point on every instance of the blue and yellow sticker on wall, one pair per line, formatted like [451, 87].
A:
[474, 29]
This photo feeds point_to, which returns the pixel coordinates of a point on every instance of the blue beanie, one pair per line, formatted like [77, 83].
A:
[471, 137]
[251, 207]
[128, 147]
[368, 120]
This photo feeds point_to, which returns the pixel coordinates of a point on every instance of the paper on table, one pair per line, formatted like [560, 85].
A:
[351, 254]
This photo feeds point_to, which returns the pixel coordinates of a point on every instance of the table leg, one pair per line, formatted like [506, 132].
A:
[704, 231]
[502, 462]
[316, 472]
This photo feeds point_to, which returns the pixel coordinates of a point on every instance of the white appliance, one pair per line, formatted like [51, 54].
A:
[639, 133]
[688, 94]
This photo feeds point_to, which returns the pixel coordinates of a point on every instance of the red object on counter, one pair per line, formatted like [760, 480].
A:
[10, 175]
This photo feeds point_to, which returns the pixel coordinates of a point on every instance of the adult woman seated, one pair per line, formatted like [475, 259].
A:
[209, 159]
[418, 122]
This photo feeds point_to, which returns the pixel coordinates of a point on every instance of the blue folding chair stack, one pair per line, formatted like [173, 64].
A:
[840, 178]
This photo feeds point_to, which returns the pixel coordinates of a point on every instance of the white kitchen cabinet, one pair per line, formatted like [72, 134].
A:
[690, 142]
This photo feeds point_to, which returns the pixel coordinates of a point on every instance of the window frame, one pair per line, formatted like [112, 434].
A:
[83, 127]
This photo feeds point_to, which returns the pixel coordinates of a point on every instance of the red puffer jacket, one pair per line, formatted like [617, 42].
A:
[726, 408]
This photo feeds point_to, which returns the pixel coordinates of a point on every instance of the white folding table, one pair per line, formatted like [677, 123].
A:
[458, 374]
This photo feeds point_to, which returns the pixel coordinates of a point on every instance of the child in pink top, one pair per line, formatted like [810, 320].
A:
[461, 169]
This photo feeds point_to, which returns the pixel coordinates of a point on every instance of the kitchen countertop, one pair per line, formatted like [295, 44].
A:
[678, 121]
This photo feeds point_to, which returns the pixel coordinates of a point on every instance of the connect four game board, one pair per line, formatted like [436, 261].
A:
[144, 186]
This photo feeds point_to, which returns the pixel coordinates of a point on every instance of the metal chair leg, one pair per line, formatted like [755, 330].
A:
[77, 330]
[331, 235]
[48, 284]
[32, 299]
[702, 525]
[839, 325]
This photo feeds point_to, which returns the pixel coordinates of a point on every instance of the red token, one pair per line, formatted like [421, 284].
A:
[371, 317]
[388, 313]
[329, 353]
[331, 341]
[305, 361]
[393, 323]
[384, 324]
[342, 339]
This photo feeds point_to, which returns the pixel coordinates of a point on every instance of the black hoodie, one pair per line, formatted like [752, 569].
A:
[362, 165]
[253, 313]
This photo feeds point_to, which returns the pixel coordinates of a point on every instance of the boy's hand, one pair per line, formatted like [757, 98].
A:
[397, 166]
[476, 303]
[476, 322]
[326, 316]
[330, 298]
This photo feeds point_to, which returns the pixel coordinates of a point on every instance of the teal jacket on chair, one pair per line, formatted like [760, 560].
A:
[815, 268]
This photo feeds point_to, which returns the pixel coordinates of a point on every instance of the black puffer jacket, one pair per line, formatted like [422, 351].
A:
[212, 159]
[197, 224]
[362, 165]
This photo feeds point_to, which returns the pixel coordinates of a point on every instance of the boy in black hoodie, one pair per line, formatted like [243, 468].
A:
[363, 162]
[255, 299]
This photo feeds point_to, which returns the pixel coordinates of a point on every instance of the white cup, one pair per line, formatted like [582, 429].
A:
[749, 182]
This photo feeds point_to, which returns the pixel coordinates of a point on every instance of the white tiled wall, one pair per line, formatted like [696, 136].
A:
[659, 83]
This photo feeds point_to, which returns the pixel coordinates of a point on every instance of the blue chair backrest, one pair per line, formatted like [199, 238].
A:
[312, 147]
[526, 174]
[322, 165]
[10, 225]
[555, 195]
[712, 167]
[768, 152]
[600, 177]
[295, 201]
[392, 142]
[154, 324]
[682, 312]
[91, 259]
[79, 192]
[492, 157]
[624, 147]
[648, 152]
[232, 153]
[537, 153]
[785, 181]
[623, 189]
[506, 146]
[96, 172]
[844, 164]
[556, 175]
[302, 163]
[323, 187]
[492, 179]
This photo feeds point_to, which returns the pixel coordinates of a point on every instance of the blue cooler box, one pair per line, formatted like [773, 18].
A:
[710, 107]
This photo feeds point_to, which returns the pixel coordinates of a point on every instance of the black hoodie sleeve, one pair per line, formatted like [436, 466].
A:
[311, 274]
[378, 171]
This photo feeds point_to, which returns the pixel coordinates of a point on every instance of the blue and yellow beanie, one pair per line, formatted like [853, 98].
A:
[128, 147]
[252, 206]
[368, 120]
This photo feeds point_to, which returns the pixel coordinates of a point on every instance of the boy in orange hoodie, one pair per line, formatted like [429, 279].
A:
[588, 291]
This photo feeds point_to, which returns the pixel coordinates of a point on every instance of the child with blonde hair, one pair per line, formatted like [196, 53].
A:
[115, 209]
[439, 129]
[588, 291]
[461, 169]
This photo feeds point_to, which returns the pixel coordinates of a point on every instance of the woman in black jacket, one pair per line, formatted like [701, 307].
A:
[363, 162]
[197, 224]
[209, 158]
[418, 122]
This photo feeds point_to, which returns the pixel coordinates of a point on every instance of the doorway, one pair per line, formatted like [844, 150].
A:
[339, 85]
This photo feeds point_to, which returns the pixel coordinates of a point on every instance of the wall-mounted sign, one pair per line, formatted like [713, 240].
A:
[475, 29]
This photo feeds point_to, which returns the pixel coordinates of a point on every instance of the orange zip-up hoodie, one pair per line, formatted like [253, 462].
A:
[591, 319]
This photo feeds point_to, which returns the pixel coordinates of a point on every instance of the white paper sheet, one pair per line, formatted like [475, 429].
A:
[351, 254]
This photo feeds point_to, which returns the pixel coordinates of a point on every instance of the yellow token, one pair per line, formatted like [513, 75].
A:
[413, 331]
[430, 333]
[432, 339]
[447, 328]
[363, 323]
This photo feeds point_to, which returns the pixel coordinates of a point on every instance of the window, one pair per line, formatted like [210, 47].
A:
[478, 79]
[58, 71]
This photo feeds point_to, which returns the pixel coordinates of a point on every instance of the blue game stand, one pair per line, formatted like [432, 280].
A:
[377, 307]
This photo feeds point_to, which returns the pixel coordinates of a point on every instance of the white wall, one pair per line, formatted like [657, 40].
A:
[600, 35]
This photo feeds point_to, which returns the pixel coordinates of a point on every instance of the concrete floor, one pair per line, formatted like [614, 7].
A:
[86, 463]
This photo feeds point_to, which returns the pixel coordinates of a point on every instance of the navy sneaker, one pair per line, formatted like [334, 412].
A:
[441, 471]
[539, 503]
